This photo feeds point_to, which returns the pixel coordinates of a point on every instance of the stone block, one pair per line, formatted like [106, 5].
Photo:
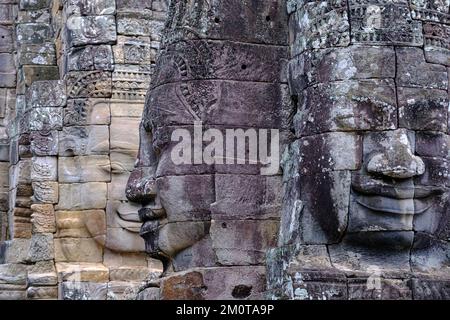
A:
[84, 169]
[45, 191]
[82, 112]
[82, 271]
[95, 8]
[414, 71]
[43, 218]
[423, 109]
[74, 141]
[81, 224]
[384, 23]
[243, 242]
[7, 70]
[83, 291]
[331, 30]
[42, 273]
[44, 169]
[89, 84]
[124, 133]
[29, 74]
[34, 4]
[246, 197]
[40, 54]
[100, 29]
[47, 118]
[33, 33]
[41, 247]
[47, 94]
[89, 58]
[41, 293]
[330, 152]
[122, 290]
[44, 143]
[82, 196]
[181, 201]
[347, 106]
[78, 250]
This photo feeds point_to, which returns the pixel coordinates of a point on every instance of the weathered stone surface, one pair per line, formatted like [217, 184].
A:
[90, 58]
[84, 169]
[74, 141]
[85, 272]
[33, 33]
[46, 191]
[46, 119]
[83, 291]
[42, 273]
[41, 54]
[97, 7]
[29, 74]
[13, 274]
[128, 273]
[384, 23]
[43, 218]
[6, 39]
[121, 136]
[242, 242]
[91, 30]
[436, 43]
[133, 50]
[332, 27]
[77, 250]
[133, 24]
[80, 112]
[347, 106]
[89, 84]
[46, 293]
[215, 283]
[47, 94]
[258, 197]
[15, 251]
[414, 71]
[149, 294]
[183, 203]
[34, 4]
[82, 196]
[7, 70]
[44, 169]
[325, 152]
[122, 290]
[44, 143]
[423, 109]
[81, 224]
[41, 247]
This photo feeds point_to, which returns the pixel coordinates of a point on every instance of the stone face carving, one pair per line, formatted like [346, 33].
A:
[365, 182]
[193, 215]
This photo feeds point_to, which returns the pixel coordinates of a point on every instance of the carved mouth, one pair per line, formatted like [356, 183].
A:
[396, 200]
[396, 206]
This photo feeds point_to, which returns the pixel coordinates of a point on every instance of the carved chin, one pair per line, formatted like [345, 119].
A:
[169, 239]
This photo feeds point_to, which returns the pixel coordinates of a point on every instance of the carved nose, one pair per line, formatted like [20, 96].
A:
[141, 187]
[397, 160]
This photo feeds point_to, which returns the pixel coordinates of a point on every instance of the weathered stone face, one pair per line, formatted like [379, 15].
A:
[208, 215]
[367, 177]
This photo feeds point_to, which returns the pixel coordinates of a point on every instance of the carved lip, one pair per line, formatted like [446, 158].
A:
[396, 206]
[396, 199]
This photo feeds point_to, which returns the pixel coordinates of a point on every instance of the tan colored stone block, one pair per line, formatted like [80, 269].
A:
[42, 293]
[127, 109]
[125, 133]
[82, 196]
[86, 272]
[43, 218]
[44, 169]
[81, 224]
[45, 191]
[115, 259]
[116, 189]
[130, 273]
[84, 169]
[122, 160]
[78, 250]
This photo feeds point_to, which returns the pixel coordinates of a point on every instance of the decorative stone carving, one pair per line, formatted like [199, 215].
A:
[91, 30]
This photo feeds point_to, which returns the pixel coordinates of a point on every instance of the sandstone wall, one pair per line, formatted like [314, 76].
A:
[83, 68]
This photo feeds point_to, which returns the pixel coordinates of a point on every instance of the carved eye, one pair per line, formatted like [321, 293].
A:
[117, 167]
